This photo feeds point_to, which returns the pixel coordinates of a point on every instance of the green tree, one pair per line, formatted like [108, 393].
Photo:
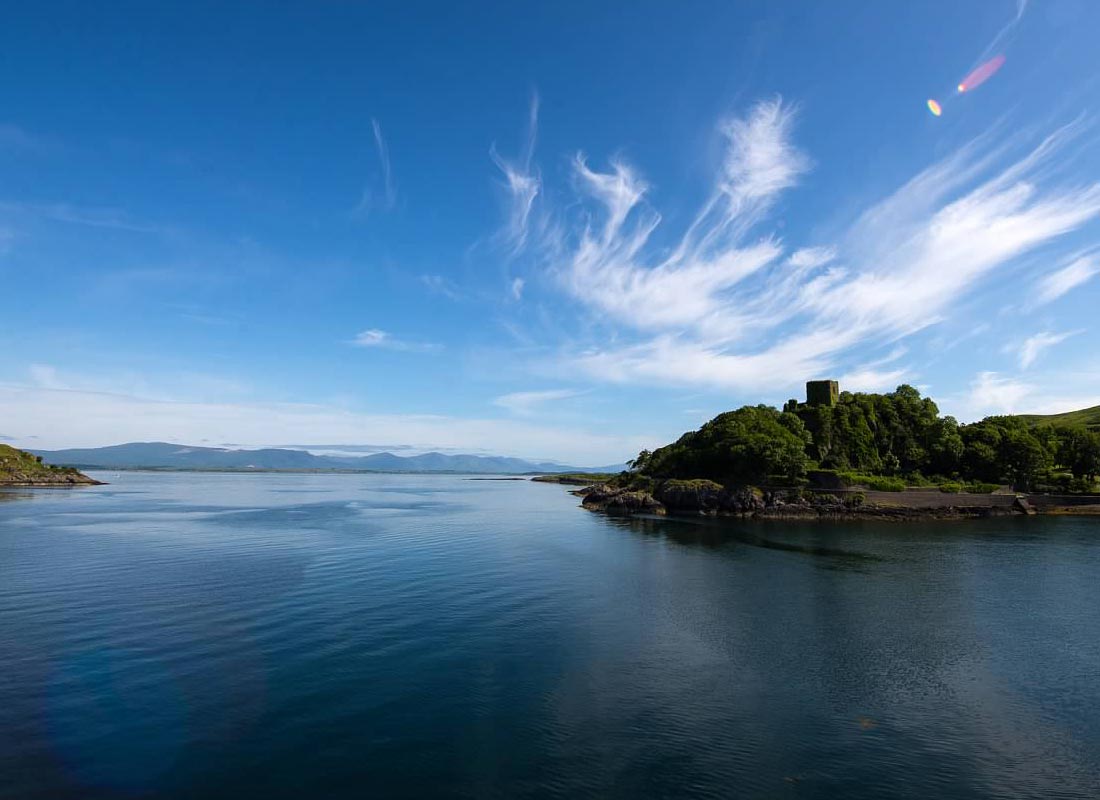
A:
[1006, 448]
[742, 446]
[1023, 457]
[639, 464]
[944, 445]
[1079, 452]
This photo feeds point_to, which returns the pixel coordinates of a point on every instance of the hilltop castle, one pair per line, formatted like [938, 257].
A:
[822, 393]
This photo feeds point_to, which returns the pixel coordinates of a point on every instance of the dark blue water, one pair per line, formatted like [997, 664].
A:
[191, 635]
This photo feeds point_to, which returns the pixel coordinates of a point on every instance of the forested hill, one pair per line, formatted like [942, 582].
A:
[899, 436]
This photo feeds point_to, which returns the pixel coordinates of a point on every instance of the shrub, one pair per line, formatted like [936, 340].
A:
[879, 483]
[695, 485]
[977, 487]
[951, 488]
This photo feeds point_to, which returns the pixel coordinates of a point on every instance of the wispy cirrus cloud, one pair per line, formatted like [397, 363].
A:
[442, 285]
[525, 403]
[94, 217]
[718, 309]
[873, 380]
[1033, 346]
[373, 198]
[171, 385]
[612, 268]
[522, 183]
[383, 340]
[879, 375]
[1061, 281]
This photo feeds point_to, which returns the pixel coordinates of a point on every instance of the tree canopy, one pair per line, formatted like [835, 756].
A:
[746, 445]
[899, 433]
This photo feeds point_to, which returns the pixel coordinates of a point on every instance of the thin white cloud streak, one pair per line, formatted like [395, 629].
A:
[1052, 286]
[1003, 37]
[517, 288]
[526, 403]
[72, 418]
[872, 380]
[189, 385]
[440, 284]
[812, 257]
[522, 182]
[721, 313]
[384, 160]
[370, 201]
[383, 340]
[1033, 346]
[111, 218]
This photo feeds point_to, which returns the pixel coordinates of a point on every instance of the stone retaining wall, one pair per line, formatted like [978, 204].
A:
[1041, 501]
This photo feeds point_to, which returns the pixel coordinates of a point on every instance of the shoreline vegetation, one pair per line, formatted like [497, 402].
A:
[860, 456]
[22, 469]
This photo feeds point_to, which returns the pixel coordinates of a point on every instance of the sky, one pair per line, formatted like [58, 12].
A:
[561, 231]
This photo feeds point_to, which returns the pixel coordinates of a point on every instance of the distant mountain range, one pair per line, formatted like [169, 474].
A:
[162, 455]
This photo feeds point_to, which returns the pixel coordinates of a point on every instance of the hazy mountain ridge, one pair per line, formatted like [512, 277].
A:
[165, 455]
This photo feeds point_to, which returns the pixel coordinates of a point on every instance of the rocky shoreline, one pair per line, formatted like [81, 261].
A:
[705, 498]
[24, 470]
[51, 482]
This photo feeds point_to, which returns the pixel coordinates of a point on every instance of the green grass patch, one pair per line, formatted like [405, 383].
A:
[879, 483]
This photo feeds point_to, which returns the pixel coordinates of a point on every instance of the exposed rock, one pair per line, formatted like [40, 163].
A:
[708, 497]
[704, 497]
[602, 497]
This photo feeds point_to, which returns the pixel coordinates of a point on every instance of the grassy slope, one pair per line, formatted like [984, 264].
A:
[20, 468]
[1088, 417]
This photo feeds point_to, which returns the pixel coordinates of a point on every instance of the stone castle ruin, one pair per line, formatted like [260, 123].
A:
[822, 393]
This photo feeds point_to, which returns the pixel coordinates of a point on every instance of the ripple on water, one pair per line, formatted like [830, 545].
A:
[276, 635]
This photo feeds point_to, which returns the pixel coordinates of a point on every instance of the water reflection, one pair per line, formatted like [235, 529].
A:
[12, 494]
[429, 636]
[720, 533]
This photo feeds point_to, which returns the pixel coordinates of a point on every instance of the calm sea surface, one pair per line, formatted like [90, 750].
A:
[204, 635]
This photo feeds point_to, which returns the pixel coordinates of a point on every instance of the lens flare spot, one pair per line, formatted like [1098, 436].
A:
[981, 74]
[934, 107]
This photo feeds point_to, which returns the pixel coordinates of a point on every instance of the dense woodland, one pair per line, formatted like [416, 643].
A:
[885, 441]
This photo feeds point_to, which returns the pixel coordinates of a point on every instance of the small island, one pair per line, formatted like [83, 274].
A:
[861, 455]
[20, 468]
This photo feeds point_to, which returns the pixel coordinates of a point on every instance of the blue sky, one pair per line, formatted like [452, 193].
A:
[561, 231]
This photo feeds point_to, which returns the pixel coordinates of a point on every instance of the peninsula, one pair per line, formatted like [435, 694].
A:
[843, 454]
[19, 468]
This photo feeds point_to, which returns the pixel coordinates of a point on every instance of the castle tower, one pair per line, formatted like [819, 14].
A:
[822, 393]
